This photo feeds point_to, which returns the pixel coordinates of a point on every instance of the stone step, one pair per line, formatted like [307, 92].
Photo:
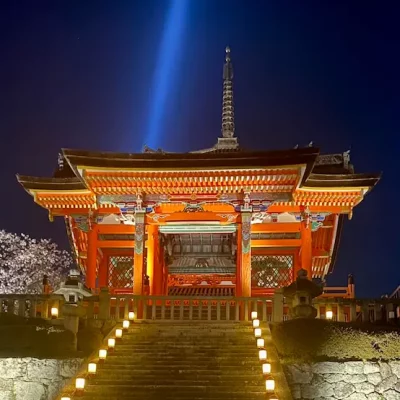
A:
[180, 342]
[131, 361]
[178, 375]
[196, 380]
[175, 395]
[140, 390]
[190, 348]
[177, 368]
[181, 361]
[203, 325]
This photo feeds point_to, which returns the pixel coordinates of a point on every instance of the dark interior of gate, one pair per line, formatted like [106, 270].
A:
[202, 261]
[201, 264]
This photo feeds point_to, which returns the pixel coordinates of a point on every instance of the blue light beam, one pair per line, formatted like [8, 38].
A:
[170, 49]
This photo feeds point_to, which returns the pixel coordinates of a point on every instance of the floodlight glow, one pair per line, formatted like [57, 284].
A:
[167, 64]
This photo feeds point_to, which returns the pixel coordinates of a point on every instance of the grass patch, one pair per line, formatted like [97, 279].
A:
[305, 341]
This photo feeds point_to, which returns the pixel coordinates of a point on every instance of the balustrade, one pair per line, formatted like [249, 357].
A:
[31, 305]
[270, 309]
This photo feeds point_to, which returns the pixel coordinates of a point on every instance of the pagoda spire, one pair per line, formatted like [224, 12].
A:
[228, 141]
[228, 114]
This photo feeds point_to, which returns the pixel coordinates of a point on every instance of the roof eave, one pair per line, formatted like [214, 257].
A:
[157, 160]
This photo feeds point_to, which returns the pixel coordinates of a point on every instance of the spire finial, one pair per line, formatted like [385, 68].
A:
[228, 55]
[228, 122]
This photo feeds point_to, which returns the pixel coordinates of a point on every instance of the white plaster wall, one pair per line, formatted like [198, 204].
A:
[34, 379]
[353, 380]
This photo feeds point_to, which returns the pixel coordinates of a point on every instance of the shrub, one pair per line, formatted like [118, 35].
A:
[320, 340]
[89, 340]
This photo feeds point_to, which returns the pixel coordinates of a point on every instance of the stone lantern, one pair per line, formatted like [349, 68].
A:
[73, 289]
[299, 296]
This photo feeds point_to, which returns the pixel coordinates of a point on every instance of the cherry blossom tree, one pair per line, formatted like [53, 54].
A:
[24, 261]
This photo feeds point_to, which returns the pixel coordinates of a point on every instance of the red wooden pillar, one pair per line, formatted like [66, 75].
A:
[238, 289]
[306, 247]
[103, 272]
[158, 266]
[91, 261]
[245, 253]
[152, 239]
[139, 253]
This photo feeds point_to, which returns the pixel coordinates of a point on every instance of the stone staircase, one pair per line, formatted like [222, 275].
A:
[181, 361]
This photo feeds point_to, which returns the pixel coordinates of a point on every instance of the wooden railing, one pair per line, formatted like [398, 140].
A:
[117, 307]
[168, 308]
[31, 305]
[360, 310]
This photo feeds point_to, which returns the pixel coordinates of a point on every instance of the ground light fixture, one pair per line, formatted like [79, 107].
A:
[125, 324]
[260, 343]
[80, 384]
[54, 312]
[254, 315]
[257, 332]
[102, 355]
[131, 315]
[270, 385]
[262, 354]
[65, 398]
[118, 333]
[111, 344]
[256, 323]
[92, 368]
[266, 368]
[329, 314]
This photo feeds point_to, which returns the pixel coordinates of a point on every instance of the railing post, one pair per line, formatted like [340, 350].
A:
[72, 313]
[11, 306]
[377, 312]
[126, 307]
[218, 310]
[21, 307]
[365, 311]
[353, 311]
[104, 304]
[44, 308]
[277, 306]
[228, 310]
[340, 313]
[318, 308]
[264, 311]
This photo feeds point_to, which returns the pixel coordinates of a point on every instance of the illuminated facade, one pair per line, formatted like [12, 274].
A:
[220, 221]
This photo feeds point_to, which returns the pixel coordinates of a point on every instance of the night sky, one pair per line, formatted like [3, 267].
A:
[86, 74]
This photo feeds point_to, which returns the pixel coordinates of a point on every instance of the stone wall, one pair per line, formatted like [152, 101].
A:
[34, 379]
[353, 380]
